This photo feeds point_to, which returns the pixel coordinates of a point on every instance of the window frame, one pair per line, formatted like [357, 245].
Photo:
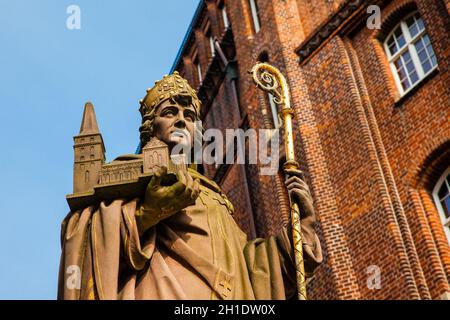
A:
[225, 19]
[209, 36]
[274, 111]
[198, 69]
[445, 177]
[254, 11]
[410, 47]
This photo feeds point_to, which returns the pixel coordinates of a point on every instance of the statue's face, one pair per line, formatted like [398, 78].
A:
[174, 123]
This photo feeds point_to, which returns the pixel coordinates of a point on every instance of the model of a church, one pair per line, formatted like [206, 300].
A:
[127, 176]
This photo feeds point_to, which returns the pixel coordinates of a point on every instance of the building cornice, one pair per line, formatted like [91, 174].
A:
[346, 16]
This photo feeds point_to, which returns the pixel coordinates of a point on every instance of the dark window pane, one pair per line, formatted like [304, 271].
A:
[426, 66]
[401, 41]
[420, 24]
[410, 21]
[419, 45]
[422, 56]
[414, 77]
[413, 30]
[412, 26]
[406, 56]
[392, 48]
[400, 69]
[410, 66]
[405, 84]
[446, 206]
[443, 191]
[399, 37]
[433, 60]
[430, 51]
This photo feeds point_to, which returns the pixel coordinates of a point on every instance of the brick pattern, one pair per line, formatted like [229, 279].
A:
[236, 188]
[370, 156]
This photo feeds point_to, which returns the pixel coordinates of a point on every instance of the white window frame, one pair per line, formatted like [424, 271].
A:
[211, 44]
[226, 22]
[445, 221]
[274, 111]
[410, 41]
[199, 70]
[255, 16]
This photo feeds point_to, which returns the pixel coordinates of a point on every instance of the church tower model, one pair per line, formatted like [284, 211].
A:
[89, 153]
[127, 176]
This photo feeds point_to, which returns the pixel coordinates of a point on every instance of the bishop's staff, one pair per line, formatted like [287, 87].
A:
[269, 79]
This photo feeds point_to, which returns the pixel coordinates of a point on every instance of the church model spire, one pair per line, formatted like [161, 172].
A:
[89, 123]
[89, 152]
[126, 176]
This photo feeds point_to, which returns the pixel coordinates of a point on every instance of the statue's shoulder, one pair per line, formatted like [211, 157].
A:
[214, 187]
[204, 180]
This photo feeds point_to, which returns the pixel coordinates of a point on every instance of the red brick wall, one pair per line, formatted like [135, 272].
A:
[370, 157]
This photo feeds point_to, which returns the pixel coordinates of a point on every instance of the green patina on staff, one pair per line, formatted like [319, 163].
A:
[270, 79]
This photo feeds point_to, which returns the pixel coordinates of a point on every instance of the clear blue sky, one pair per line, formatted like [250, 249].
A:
[47, 73]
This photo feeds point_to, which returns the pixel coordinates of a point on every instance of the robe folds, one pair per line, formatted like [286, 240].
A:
[198, 253]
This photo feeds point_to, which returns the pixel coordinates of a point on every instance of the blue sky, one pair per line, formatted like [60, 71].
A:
[47, 73]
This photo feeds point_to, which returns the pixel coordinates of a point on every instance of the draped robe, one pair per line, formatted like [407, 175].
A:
[198, 253]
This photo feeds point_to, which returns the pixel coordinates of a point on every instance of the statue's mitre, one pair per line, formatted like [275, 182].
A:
[168, 87]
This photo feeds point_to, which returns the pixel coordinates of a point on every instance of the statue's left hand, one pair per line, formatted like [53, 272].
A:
[299, 193]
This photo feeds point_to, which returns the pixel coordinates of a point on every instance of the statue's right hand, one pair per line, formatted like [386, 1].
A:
[161, 201]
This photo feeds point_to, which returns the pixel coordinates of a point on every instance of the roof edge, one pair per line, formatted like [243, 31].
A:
[188, 33]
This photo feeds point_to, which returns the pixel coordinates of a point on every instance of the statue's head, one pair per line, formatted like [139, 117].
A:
[169, 111]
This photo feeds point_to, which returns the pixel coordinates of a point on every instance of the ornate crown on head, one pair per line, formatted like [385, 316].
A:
[166, 88]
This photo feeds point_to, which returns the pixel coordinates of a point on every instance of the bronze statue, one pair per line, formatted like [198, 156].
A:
[133, 233]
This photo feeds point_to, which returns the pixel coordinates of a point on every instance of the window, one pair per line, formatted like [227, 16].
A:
[274, 111]
[410, 53]
[255, 15]
[211, 43]
[226, 22]
[198, 69]
[441, 195]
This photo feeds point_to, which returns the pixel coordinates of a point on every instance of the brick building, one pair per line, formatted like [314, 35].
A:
[372, 110]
